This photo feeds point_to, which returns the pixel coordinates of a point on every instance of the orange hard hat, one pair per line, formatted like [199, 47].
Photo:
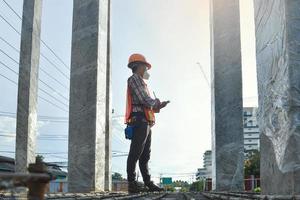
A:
[138, 58]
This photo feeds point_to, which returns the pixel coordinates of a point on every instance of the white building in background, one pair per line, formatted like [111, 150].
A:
[205, 172]
[251, 130]
[251, 141]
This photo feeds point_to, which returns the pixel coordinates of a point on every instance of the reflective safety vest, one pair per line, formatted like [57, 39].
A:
[149, 113]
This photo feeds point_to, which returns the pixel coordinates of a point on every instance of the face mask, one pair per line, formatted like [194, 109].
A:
[146, 75]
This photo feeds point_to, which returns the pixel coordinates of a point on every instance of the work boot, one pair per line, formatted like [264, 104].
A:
[135, 187]
[153, 188]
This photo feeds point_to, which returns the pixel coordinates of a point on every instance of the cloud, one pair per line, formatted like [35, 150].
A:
[8, 127]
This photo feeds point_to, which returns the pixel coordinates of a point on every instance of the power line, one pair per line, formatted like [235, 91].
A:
[9, 6]
[8, 134]
[117, 151]
[51, 88]
[55, 105]
[50, 49]
[55, 54]
[40, 117]
[120, 141]
[49, 75]
[11, 58]
[41, 68]
[39, 88]
[58, 162]
[115, 156]
[14, 82]
[53, 154]
[9, 24]
[15, 61]
[7, 152]
[10, 69]
[66, 76]
[58, 93]
[54, 136]
[38, 137]
[57, 68]
[49, 137]
[6, 42]
[53, 97]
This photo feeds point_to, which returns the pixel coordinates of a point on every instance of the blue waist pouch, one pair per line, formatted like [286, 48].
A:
[129, 132]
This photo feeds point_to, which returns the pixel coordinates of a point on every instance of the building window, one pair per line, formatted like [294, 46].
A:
[250, 123]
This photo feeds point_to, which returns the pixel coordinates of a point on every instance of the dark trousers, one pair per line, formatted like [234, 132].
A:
[140, 149]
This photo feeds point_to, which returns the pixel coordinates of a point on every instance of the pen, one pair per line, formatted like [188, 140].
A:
[154, 95]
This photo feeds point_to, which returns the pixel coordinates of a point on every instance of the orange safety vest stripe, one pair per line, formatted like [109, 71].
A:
[149, 113]
[128, 106]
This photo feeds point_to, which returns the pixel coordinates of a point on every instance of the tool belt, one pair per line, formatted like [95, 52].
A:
[138, 117]
[135, 118]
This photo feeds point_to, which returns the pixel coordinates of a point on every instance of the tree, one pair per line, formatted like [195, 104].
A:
[117, 176]
[197, 186]
[39, 158]
[184, 185]
[252, 163]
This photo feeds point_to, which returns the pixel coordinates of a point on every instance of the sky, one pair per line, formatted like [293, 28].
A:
[174, 37]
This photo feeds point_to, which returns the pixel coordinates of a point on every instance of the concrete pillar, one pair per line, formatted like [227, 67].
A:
[88, 96]
[278, 68]
[108, 132]
[227, 105]
[28, 85]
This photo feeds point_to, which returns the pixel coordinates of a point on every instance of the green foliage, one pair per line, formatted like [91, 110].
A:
[39, 159]
[169, 188]
[184, 189]
[252, 163]
[185, 186]
[179, 184]
[117, 176]
[197, 186]
[257, 189]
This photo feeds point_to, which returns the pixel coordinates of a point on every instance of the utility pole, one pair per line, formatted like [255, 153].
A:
[28, 85]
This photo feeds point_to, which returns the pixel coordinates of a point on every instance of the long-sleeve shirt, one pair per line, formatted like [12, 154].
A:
[140, 95]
